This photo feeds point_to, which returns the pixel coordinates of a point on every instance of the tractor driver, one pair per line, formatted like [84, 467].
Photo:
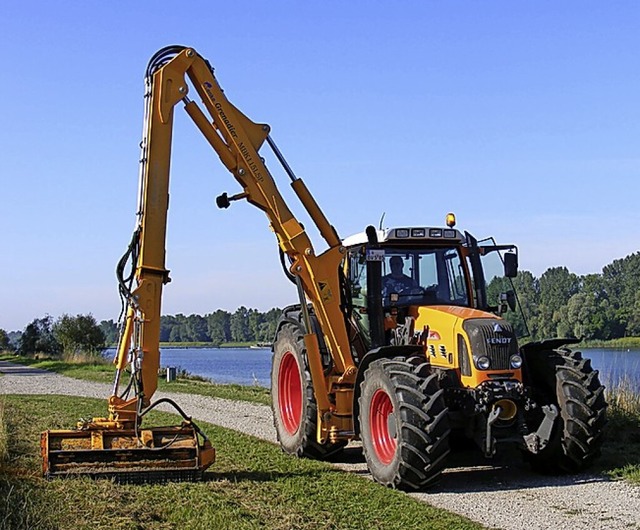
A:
[397, 281]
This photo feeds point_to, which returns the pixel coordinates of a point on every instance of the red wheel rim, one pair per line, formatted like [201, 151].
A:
[384, 443]
[290, 393]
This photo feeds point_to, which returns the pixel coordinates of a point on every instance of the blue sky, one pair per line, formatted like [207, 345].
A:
[521, 117]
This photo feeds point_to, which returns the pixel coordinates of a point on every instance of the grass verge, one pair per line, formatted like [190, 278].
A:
[252, 485]
[621, 449]
[4, 438]
[621, 343]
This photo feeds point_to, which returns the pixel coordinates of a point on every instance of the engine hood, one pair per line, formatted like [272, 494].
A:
[483, 334]
[443, 320]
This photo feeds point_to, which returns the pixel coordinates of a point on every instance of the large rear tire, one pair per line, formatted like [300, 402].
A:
[563, 378]
[403, 423]
[295, 413]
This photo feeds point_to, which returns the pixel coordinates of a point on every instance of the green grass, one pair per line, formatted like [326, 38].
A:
[253, 394]
[252, 485]
[4, 438]
[621, 449]
[622, 343]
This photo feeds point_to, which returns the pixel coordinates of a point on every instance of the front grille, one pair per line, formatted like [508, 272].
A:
[492, 338]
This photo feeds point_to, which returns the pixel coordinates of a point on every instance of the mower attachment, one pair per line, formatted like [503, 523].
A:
[160, 454]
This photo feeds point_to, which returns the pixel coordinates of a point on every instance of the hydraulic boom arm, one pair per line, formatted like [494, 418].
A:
[236, 139]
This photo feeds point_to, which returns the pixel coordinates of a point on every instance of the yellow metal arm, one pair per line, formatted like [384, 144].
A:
[236, 139]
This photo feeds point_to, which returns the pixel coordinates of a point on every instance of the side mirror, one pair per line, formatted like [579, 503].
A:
[510, 264]
[507, 301]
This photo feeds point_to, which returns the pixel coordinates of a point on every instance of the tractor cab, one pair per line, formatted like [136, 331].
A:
[394, 275]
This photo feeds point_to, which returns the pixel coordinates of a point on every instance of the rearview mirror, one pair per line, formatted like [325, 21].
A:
[510, 264]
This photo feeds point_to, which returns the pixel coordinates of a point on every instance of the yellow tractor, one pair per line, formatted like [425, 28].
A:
[394, 339]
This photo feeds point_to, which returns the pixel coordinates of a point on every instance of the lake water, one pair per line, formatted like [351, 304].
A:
[253, 366]
[244, 366]
[616, 366]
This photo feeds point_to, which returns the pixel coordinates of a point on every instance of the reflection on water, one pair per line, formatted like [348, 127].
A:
[616, 366]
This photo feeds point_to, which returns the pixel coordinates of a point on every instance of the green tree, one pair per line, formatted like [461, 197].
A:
[622, 280]
[593, 285]
[14, 339]
[580, 317]
[254, 320]
[38, 337]
[175, 335]
[271, 319]
[5, 343]
[527, 288]
[79, 334]
[167, 322]
[633, 324]
[219, 326]
[197, 329]
[110, 330]
[239, 325]
[177, 328]
[557, 285]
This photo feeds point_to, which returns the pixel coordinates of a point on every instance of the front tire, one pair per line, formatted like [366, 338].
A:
[295, 413]
[403, 423]
[563, 378]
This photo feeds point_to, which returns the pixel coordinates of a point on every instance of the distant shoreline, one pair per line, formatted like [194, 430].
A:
[618, 344]
[195, 345]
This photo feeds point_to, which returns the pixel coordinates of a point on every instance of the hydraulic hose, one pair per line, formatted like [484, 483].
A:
[162, 57]
[187, 419]
[287, 272]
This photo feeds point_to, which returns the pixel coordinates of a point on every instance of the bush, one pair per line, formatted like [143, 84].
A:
[5, 343]
[79, 335]
[38, 337]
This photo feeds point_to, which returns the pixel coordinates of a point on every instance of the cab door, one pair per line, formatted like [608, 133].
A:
[357, 278]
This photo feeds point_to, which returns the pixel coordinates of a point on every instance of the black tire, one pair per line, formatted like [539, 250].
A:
[563, 378]
[295, 413]
[404, 426]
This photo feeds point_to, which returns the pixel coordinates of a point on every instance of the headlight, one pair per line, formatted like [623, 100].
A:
[483, 363]
[515, 361]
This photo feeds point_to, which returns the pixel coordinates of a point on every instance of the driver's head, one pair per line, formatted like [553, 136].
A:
[397, 264]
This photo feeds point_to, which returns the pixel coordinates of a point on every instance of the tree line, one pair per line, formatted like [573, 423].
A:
[243, 325]
[71, 336]
[68, 337]
[590, 307]
[558, 304]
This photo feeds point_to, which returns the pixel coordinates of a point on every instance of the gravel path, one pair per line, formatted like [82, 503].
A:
[503, 495]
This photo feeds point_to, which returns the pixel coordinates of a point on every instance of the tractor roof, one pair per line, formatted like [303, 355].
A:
[411, 234]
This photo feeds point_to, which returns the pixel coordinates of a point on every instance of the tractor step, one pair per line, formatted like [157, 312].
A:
[161, 454]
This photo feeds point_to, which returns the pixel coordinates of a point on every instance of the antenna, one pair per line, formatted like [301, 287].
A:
[381, 220]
